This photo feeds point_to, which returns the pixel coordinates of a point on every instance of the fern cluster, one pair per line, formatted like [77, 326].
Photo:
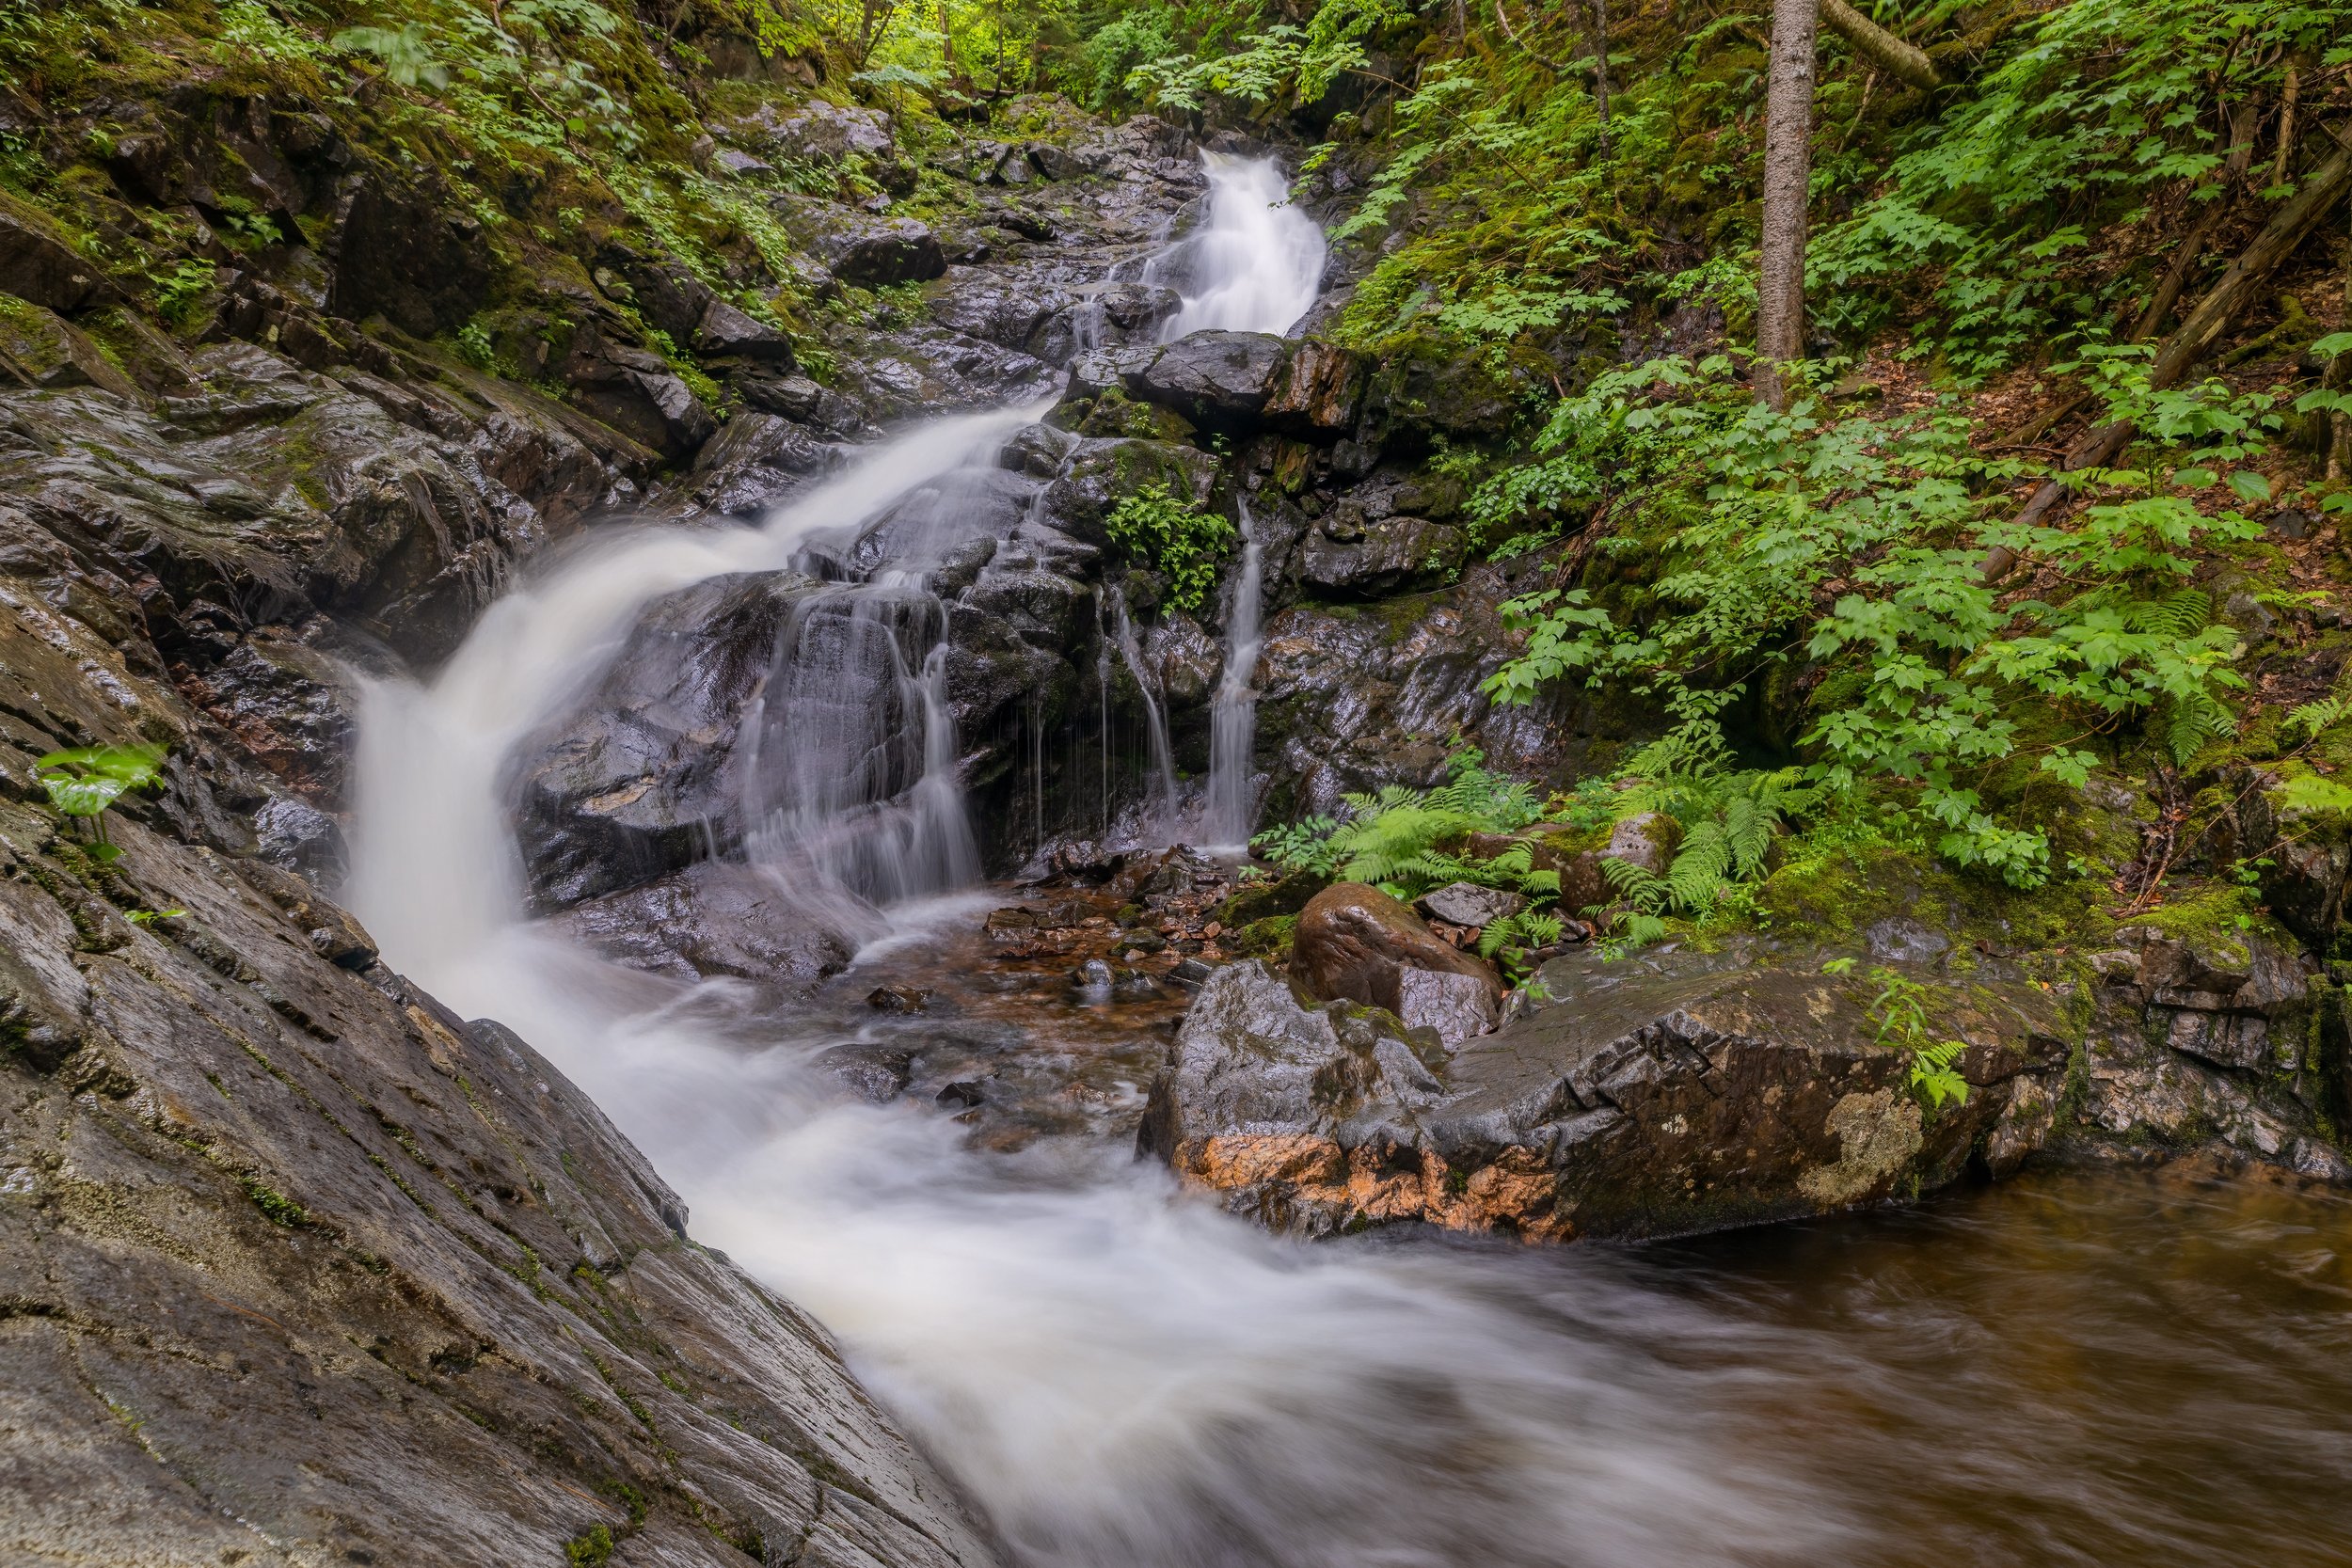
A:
[1407, 840]
[1727, 821]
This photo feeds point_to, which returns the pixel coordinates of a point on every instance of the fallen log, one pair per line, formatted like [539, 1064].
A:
[2287, 228]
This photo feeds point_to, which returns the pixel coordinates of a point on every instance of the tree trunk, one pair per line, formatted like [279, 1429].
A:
[1600, 67]
[1906, 62]
[1787, 169]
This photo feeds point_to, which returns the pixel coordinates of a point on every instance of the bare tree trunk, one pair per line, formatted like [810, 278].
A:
[1600, 67]
[2292, 96]
[1906, 62]
[946, 42]
[1788, 171]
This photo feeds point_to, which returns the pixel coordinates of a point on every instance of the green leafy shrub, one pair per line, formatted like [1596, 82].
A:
[1174, 538]
[84, 781]
[1857, 545]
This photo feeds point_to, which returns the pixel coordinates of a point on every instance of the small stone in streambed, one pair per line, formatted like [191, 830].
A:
[1093, 981]
[1145, 939]
[1191, 972]
[1135, 986]
[898, 999]
[878, 1073]
[961, 1095]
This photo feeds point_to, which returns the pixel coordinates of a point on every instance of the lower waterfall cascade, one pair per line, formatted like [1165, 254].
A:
[1114, 1372]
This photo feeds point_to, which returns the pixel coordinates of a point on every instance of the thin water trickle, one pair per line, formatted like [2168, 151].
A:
[1160, 814]
[1233, 709]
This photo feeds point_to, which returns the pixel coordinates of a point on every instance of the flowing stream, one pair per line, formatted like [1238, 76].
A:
[2095, 1370]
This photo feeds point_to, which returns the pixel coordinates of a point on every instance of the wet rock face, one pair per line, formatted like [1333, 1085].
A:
[1657, 1096]
[274, 489]
[236, 1146]
[38, 266]
[641, 777]
[712, 920]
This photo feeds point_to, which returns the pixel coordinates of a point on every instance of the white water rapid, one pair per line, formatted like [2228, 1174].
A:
[1116, 1373]
[1254, 267]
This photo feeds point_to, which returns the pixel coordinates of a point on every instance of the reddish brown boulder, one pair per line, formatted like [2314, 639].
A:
[1355, 942]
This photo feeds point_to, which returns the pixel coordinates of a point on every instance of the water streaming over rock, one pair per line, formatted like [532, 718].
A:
[1230, 809]
[1255, 266]
[1160, 811]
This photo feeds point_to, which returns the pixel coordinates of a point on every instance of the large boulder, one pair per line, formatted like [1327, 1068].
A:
[362, 1281]
[876, 251]
[406, 256]
[635, 392]
[1656, 1096]
[1100, 473]
[1350, 555]
[1356, 943]
[640, 778]
[1217, 380]
[1317, 393]
[1266, 1092]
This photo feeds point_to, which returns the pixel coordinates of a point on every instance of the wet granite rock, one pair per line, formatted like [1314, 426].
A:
[1356, 943]
[1217, 380]
[40, 267]
[635, 392]
[639, 778]
[714, 920]
[1661, 1094]
[1468, 904]
[1372, 556]
[724, 332]
[303, 1268]
[421, 262]
[1098, 474]
[38, 349]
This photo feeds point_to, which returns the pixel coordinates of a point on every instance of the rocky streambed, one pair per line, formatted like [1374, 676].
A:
[691, 849]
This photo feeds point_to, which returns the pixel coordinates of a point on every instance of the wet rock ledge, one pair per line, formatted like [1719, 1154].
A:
[296, 1266]
[1649, 1097]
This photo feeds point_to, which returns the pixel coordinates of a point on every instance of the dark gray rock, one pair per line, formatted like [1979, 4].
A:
[1217, 380]
[1349, 554]
[232, 1158]
[714, 920]
[727, 333]
[635, 392]
[38, 266]
[639, 778]
[1654, 1096]
[1098, 474]
[404, 255]
[878, 251]
[1468, 904]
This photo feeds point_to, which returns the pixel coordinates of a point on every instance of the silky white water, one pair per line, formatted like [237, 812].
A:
[1255, 266]
[1234, 710]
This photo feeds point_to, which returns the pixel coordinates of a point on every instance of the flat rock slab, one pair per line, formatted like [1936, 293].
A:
[1653, 1097]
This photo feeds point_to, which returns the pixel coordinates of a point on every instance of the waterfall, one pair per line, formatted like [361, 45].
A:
[853, 791]
[1114, 1372]
[1233, 710]
[1254, 267]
